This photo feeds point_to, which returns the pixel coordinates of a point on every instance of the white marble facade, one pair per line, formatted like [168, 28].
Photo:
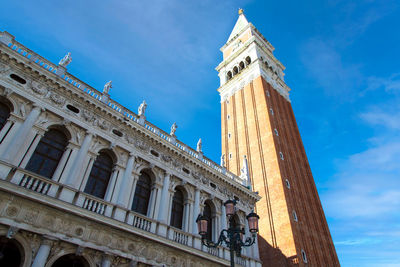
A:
[51, 218]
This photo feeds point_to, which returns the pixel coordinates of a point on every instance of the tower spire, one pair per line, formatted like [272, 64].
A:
[241, 23]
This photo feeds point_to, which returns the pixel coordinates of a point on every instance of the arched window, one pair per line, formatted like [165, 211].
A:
[71, 260]
[177, 209]
[248, 60]
[235, 71]
[208, 214]
[4, 114]
[142, 194]
[45, 159]
[229, 75]
[99, 175]
[11, 252]
[241, 65]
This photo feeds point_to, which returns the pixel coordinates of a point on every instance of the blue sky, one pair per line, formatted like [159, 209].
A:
[342, 61]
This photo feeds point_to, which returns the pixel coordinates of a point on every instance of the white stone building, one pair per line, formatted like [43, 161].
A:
[85, 181]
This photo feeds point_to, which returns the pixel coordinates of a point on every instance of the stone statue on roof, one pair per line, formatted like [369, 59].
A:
[222, 160]
[199, 145]
[64, 62]
[107, 87]
[173, 129]
[142, 108]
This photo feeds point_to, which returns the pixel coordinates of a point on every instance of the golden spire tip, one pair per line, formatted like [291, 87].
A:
[240, 11]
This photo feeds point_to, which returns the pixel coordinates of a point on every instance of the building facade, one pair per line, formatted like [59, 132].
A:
[86, 182]
[260, 136]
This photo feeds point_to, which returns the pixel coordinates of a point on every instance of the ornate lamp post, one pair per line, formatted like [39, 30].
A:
[233, 236]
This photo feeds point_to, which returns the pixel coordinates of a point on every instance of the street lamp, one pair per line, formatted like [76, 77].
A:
[233, 236]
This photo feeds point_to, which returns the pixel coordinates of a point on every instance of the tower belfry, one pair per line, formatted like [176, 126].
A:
[258, 122]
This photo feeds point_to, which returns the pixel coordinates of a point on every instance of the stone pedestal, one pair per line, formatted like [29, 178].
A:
[61, 70]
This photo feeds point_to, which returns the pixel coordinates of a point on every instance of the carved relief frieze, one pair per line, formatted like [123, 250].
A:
[4, 68]
[57, 99]
[103, 124]
[142, 145]
[88, 116]
[166, 158]
[38, 88]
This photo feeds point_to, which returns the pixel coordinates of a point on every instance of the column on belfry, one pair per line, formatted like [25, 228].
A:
[13, 147]
[162, 215]
[43, 253]
[196, 209]
[124, 186]
[77, 165]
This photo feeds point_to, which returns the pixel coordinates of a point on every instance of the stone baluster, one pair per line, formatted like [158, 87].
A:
[43, 252]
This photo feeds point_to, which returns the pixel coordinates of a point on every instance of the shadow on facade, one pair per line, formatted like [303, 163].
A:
[271, 256]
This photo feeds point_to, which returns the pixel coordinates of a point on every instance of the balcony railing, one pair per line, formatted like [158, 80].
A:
[129, 115]
[43, 186]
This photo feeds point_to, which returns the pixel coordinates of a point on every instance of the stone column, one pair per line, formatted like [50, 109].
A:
[111, 183]
[30, 151]
[162, 215]
[126, 183]
[223, 217]
[89, 166]
[186, 215]
[70, 163]
[76, 172]
[196, 210]
[62, 163]
[191, 217]
[106, 261]
[153, 200]
[43, 252]
[157, 201]
[20, 136]
[135, 178]
[6, 128]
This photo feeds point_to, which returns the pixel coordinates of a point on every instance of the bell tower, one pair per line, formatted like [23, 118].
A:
[258, 123]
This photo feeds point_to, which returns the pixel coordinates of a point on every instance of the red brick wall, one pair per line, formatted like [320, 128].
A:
[251, 126]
